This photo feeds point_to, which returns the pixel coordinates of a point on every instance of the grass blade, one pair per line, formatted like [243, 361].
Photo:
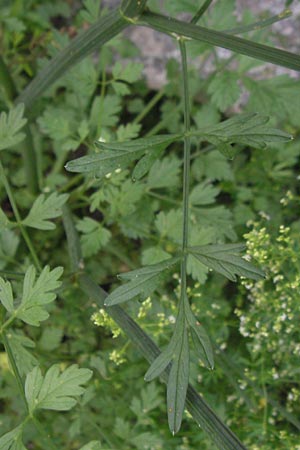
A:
[221, 39]
[85, 43]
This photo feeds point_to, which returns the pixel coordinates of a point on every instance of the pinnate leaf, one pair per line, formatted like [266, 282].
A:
[118, 155]
[36, 294]
[55, 390]
[10, 126]
[45, 208]
[141, 282]
[248, 129]
[226, 259]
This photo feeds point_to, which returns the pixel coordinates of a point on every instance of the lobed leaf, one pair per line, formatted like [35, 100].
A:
[141, 282]
[37, 294]
[225, 259]
[249, 129]
[55, 390]
[43, 209]
[10, 126]
[118, 155]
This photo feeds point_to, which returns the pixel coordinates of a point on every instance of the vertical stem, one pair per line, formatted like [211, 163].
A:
[24, 233]
[186, 164]
[6, 81]
[14, 368]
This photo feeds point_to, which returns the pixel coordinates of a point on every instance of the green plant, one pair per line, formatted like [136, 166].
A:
[82, 114]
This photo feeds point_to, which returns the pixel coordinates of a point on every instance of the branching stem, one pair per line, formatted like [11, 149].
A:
[186, 165]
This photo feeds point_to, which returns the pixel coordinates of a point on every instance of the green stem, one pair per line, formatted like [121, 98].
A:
[14, 368]
[30, 161]
[201, 11]
[154, 100]
[186, 165]
[204, 416]
[18, 218]
[45, 436]
[6, 81]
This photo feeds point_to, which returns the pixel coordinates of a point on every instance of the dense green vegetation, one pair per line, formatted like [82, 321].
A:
[189, 194]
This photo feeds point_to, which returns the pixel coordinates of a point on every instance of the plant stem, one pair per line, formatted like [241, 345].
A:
[14, 368]
[6, 81]
[18, 218]
[186, 165]
[204, 416]
[201, 11]
[154, 100]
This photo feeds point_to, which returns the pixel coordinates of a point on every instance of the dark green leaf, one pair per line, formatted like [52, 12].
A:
[225, 259]
[161, 362]
[118, 155]
[200, 339]
[249, 129]
[178, 383]
[141, 282]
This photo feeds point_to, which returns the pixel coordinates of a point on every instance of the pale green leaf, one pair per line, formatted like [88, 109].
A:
[128, 131]
[4, 221]
[225, 259]
[129, 73]
[6, 295]
[224, 89]
[45, 208]
[12, 440]
[51, 338]
[154, 255]
[19, 345]
[164, 173]
[10, 126]
[141, 282]
[37, 293]
[204, 194]
[212, 165]
[91, 10]
[56, 390]
[94, 236]
[169, 224]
